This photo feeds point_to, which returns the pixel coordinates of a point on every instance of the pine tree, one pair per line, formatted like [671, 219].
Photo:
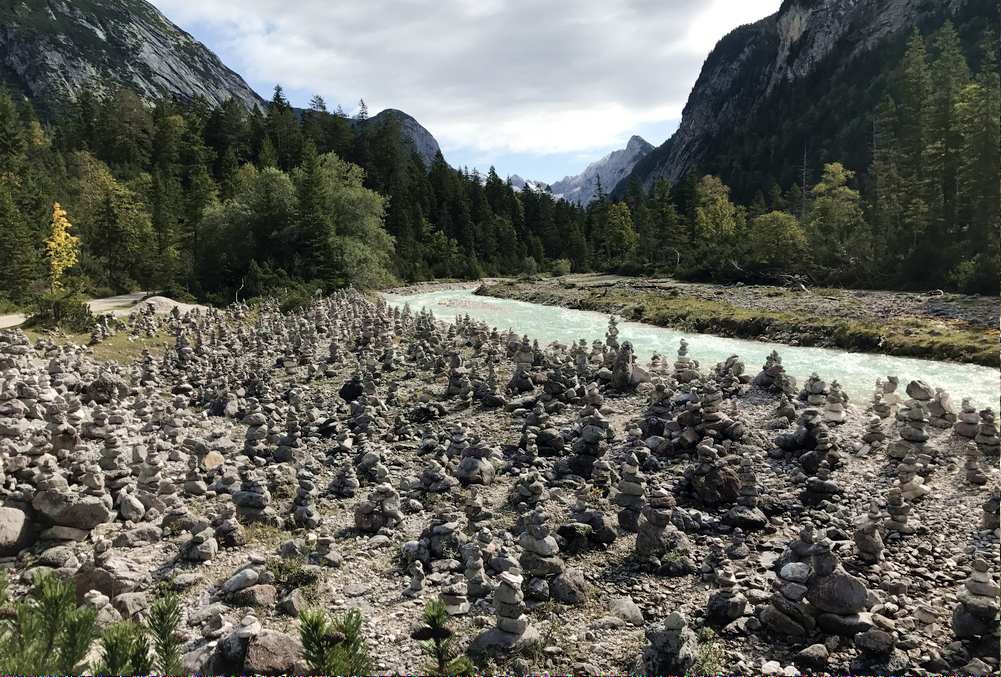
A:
[16, 249]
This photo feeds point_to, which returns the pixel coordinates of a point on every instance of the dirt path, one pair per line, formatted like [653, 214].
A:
[119, 305]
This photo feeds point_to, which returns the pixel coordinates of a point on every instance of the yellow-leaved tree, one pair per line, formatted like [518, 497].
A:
[62, 247]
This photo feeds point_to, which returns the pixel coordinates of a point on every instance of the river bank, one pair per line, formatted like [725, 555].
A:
[941, 327]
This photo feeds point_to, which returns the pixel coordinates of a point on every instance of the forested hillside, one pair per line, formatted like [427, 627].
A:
[217, 202]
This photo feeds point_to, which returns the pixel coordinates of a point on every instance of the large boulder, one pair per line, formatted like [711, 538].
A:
[15, 531]
[71, 510]
[839, 593]
[273, 653]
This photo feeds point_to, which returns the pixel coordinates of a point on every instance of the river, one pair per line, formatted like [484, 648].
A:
[856, 372]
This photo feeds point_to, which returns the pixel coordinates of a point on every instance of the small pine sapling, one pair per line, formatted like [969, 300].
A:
[437, 641]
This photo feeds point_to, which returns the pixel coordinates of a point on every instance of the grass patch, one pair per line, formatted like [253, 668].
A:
[264, 534]
[118, 348]
[291, 572]
[709, 656]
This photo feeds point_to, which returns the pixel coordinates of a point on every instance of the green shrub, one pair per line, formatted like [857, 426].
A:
[45, 633]
[334, 647]
[291, 572]
[66, 310]
[125, 650]
[560, 267]
[162, 622]
[437, 642]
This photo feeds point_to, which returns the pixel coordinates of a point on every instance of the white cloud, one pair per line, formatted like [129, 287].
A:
[487, 76]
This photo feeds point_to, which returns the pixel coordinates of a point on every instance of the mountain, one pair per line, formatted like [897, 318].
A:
[412, 131]
[805, 79]
[610, 169]
[519, 184]
[52, 50]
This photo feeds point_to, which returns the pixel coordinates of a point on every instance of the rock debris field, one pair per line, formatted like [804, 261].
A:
[577, 512]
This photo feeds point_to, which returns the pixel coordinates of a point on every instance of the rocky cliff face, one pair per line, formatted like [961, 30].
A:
[610, 170]
[808, 45]
[411, 131]
[53, 50]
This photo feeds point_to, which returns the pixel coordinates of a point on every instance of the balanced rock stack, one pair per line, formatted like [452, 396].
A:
[968, 420]
[941, 410]
[727, 603]
[868, 540]
[992, 511]
[540, 552]
[595, 431]
[513, 631]
[874, 435]
[686, 369]
[672, 648]
[477, 583]
[786, 612]
[987, 434]
[913, 430]
[814, 391]
[657, 536]
[454, 595]
[529, 491]
[710, 479]
[911, 484]
[381, 509]
[746, 514]
[253, 500]
[630, 495]
[476, 466]
[976, 615]
[899, 510]
[834, 408]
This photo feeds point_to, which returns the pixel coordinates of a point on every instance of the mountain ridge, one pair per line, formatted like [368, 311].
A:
[610, 170]
[51, 50]
[782, 76]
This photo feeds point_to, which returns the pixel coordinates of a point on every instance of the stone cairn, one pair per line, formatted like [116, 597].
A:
[746, 515]
[941, 410]
[658, 542]
[773, 376]
[727, 603]
[911, 484]
[478, 586]
[987, 434]
[381, 509]
[631, 489]
[885, 399]
[875, 436]
[899, 511]
[686, 369]
[476, 467]
[976, 614]
[968, 420]
[868, 541]
[991, 520]
[595, 432]
[834, 408]
[454, 595]
[540, 553]
[345, 483]
[710, 479]
[913, 429]
[513, 630]
[529, 491]
[672, 647]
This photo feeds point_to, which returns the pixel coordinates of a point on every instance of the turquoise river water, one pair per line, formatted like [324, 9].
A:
[857, 372]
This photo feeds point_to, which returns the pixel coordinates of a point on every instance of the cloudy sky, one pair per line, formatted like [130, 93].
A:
[534, 88]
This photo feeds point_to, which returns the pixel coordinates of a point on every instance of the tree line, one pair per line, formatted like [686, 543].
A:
[220, 202]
